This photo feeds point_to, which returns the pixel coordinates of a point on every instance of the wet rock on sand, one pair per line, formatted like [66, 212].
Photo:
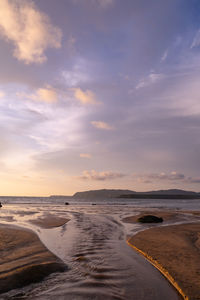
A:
[150, 219]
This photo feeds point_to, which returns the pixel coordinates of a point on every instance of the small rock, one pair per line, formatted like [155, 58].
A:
[150, 219]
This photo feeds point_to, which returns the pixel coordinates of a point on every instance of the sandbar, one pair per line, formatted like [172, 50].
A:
[49, 221]
[24, 259]
[176, 248]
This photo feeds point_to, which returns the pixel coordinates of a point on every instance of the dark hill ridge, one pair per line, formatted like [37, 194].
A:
[160, 194]
[163, 194]
[171, 192]
[101, 194]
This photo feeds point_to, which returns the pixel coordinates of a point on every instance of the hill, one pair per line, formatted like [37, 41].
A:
[101, 194]
[163, 194]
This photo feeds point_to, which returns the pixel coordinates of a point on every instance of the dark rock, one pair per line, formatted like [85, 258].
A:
[150, 219]
[66, 203]
[0, 204]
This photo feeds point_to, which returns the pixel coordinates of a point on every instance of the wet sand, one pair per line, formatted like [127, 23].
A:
[49, 221]
[24, 259]
[175, 250]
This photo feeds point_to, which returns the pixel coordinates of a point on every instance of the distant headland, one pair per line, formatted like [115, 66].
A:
[118, 193]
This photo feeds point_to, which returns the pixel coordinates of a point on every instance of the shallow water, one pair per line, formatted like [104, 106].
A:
[93, 245]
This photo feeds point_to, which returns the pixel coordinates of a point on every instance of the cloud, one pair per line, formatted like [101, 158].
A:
[47, 94]
[78, 74]
[102, 125]
[193, 179]
[164, 56]
[196, 40]
[85, 155]
[29, 30]
[2, 94]
[87, 97]
[101, 176]
[170, 177]
[152, 78]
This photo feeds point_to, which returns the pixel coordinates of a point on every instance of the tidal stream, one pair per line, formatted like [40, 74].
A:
[93, 245]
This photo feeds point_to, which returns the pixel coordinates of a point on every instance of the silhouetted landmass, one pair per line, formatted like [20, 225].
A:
[172, 192]
[101, 194]
[160, 194]
[163, 194]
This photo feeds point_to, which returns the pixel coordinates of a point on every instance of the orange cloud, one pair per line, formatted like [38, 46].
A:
[85, 155]
[87, 97]
[102, 125]
[105, 175]
[30, 30]
[45, 94]
[2, 94]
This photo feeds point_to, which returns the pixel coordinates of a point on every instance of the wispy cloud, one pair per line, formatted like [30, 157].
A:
[77, 75]
[30, 30]
[193, 179]
[152, 78]
[85, 155]
[196, 40]
[85, 97]
[164, 56]
[102, 125]
[172, 177]
[101, 176]
[161, 176]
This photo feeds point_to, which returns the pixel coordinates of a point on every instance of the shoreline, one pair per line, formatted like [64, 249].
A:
[175, 251]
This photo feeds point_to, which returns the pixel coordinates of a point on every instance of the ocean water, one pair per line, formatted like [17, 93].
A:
[184, 204]
[93, 245]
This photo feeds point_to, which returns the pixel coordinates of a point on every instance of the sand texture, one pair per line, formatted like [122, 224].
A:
[49, 221]
[24, 259]
[177, 249]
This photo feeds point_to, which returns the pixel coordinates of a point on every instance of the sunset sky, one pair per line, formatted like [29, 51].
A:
[99, 94]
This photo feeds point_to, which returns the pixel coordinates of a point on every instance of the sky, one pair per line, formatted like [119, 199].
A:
[99, 94]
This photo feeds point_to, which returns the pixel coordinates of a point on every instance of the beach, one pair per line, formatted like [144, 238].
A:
[23, 257]
[175, 250]
[92, 249]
